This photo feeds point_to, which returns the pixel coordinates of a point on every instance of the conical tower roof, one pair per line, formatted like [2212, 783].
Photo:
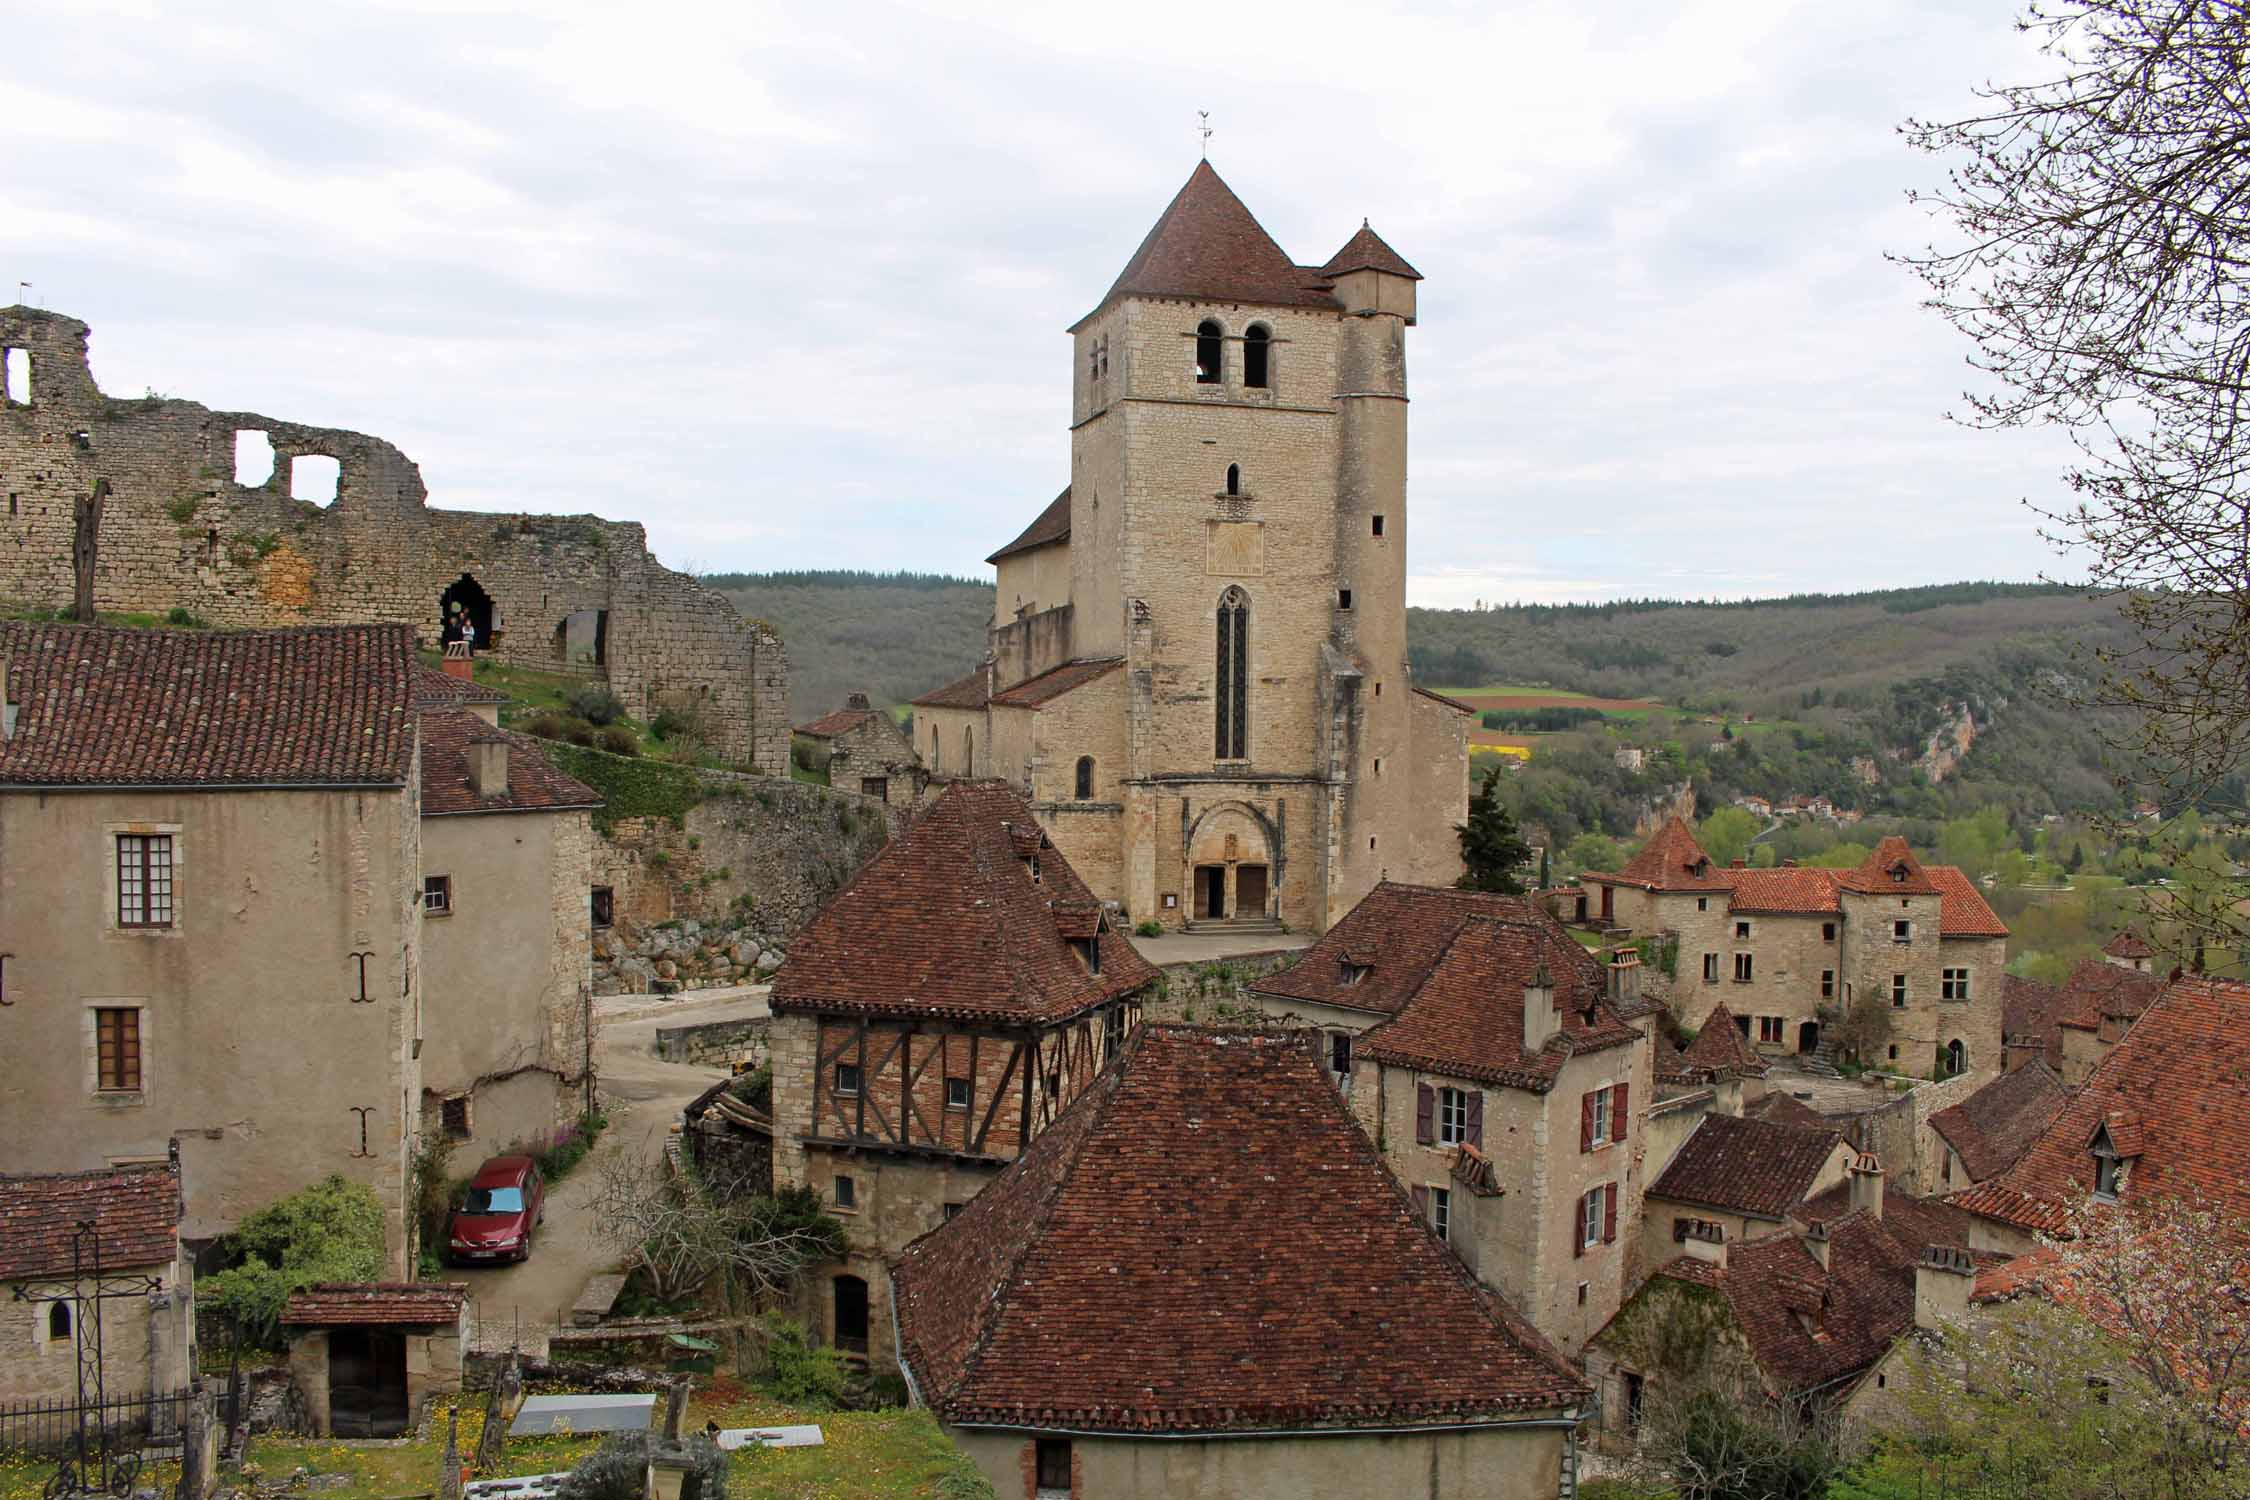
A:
[1207, 246]
[1365, 251]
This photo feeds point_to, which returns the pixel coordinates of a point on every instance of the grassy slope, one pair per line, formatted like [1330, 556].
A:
[879, 634]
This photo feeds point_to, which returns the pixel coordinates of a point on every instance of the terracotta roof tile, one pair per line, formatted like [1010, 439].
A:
[1801, 891]
[1779, 1108]
[1997, 1124]
[2128, 945]
[1962, 909]
[433, 687]
[1207, 247]
[1054, 682]
[2181, 1072]
[1206, 1240]
[1670, 861]
[1915, 1222]
[1809, 1327]
[103, 706]
[2097, 989]
[1747, 1166]
[1721, 1047]
[828, 726]
[947, 923]
[2031, 1016]
[534, 785]
[1050, 526]
[1365, 251]
[341, 1304]
[136, 1214]
[1890, 869]
[972, 691]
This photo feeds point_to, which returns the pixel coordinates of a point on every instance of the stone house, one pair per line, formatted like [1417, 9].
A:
[2030, 1023]
[1812, 1318]
[2161, 1114]
[1986, 1133]
[1793, 949]
[506, 858]
[868, 753]
[369, 1357]
[211, 907]
[1505, 1074]
[2100, 1001]
[1200, 1282]
[941, 1011]
[148, 1339]
[1196, 669]
[1738, 1179]
[251, 521]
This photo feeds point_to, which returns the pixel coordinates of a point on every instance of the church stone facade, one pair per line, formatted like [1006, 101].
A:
[1196, 668]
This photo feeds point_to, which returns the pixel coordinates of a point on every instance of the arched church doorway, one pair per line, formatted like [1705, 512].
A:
[1230, 866]
[465, 602]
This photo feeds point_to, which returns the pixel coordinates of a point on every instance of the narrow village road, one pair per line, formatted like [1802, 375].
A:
[643, 1096]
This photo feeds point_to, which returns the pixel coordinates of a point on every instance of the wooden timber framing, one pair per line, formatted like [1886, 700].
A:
[1039, 1070]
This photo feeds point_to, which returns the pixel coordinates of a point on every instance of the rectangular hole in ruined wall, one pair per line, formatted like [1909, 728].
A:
[253, 457]
[15, 376]
[315, 477]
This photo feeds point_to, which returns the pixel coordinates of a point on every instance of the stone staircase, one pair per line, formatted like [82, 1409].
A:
[1238, 925]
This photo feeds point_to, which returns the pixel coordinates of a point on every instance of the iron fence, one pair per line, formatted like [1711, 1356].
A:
[51, 1426]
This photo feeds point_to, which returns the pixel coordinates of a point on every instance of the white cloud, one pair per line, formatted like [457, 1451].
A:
[710, 267]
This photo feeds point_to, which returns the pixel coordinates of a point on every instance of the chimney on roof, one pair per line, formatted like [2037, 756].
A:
[1789, 864]
[1816, 1240]
[1738, 864]
[1704, 1241]
[1539, 1020]
[1943, 1279]
[1726, 1093]
[856, 700]
[1867, 1184]
[456, 662]
[1624, 975]
[488, 766]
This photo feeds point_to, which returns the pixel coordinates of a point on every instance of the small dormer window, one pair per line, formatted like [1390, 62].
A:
[1031, 863]
[1354, 973]
[1898, 874]
[1701, 868]
[2109, 1168]
[1089, 951]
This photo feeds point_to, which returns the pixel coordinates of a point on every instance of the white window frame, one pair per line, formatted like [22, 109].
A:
[1452, 1117]
[1441, 1210]
[1592, 1205]
[111, 833]
[1604, 1099]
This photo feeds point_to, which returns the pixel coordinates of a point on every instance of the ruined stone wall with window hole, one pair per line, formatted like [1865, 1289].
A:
[243, 520]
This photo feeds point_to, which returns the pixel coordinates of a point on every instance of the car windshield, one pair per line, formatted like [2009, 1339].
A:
[499, 1200]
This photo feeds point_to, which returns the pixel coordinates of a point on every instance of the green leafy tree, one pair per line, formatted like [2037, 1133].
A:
[1492, 850]
[1726, 834]
[1593, 851]
[331, 1231]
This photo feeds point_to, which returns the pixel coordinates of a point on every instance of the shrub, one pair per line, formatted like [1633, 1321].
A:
[185, 619]
[553, 724]
[617, 740]
[596, 704]
[1149, 927]
[618, 1470]
[331, 1231]
[797, 1371]
[560, 1150]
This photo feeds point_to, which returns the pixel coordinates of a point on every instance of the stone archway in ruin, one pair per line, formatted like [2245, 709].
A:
[465, 600]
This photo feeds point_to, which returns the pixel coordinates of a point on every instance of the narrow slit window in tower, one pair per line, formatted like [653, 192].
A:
[1232, 738]
[1234, 479]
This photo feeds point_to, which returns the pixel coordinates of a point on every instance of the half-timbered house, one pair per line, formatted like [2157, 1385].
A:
[939, 1012]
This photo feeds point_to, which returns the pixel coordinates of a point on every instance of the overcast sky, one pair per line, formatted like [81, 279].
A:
[789, 285]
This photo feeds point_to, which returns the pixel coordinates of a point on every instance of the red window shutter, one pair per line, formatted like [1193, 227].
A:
[1609, 1214]
[1578, 1230]
[1422, 1203]
[1585, 1122]
[1425, 1105]
[1617, 1112]
[1476, 1118]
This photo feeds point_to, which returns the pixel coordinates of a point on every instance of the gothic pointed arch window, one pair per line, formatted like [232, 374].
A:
[1210, 353]
[1232, 698]
[1257, 357]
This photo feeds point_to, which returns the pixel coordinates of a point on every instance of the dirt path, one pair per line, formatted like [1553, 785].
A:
[643, 1096]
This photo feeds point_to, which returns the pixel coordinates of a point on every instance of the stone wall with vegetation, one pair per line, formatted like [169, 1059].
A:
[711, 873]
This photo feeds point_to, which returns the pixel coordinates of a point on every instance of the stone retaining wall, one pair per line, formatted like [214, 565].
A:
[739, 1043]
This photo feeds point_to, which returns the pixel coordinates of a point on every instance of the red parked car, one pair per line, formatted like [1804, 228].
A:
[505, 1203]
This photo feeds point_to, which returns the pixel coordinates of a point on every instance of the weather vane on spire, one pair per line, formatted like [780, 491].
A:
[1203, 129]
